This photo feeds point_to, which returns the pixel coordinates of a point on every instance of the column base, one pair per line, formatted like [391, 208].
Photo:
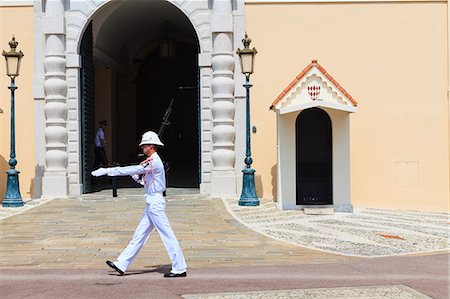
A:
[75, 190]
[248, 194]
[205, 188]
[223, 184]
[12, 196]
[55, 184]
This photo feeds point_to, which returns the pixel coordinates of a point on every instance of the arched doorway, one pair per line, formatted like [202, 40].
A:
[134, 80]
[121, 31]
[160, 80]
[313, 158]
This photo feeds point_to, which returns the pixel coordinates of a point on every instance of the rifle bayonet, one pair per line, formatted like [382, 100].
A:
[165, 121]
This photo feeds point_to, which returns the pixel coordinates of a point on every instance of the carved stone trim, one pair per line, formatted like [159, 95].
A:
[55, 182]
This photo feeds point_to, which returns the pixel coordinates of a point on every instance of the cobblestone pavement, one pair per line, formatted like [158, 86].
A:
[366, 232]
[84, 232]
[28, 204]
[59, 248]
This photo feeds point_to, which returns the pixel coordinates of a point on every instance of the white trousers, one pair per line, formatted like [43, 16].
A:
[154, 217]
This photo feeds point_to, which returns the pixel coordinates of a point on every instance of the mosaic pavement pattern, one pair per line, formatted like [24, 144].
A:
[366, 232]
[373, 292]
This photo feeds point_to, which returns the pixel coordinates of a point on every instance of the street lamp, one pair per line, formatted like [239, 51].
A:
[12, 196]
[247, 59]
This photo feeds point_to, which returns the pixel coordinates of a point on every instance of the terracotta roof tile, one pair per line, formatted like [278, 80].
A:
[303, 73]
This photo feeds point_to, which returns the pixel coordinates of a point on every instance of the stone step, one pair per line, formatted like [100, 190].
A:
[318, 210]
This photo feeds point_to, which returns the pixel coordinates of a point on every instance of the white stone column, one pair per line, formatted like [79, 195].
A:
[223, 181]
[39, 99]
[240, 117]
[55, 180]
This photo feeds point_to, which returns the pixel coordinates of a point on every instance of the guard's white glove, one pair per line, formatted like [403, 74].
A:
[100, 172]
[138, 179]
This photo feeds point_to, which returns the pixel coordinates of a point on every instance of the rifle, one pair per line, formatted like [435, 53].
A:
[165, 121]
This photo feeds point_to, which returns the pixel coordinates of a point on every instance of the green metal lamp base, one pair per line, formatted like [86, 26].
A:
[248, 195]
[12, 196]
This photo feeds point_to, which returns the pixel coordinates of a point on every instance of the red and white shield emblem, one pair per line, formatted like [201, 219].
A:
[314, 91]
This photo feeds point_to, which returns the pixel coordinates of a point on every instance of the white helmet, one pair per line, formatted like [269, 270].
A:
[150, 137]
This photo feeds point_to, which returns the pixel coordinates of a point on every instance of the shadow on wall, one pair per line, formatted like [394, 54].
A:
[36, 182]
[259, 186]
[273, 172]
[4, 166]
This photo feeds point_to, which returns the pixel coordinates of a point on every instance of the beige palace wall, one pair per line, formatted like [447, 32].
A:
[17, 21]
[392, 58]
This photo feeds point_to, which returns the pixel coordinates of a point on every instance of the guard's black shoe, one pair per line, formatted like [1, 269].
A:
[171, 275]
[111, 264]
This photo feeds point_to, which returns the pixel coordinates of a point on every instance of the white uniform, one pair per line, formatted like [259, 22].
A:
[154, 216]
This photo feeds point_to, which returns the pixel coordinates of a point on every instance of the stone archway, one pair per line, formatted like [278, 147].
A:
[219, 26]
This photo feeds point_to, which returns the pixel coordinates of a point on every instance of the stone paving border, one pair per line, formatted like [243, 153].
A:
[28, 204]
[84, 232]
[366, 232]
[363, 292]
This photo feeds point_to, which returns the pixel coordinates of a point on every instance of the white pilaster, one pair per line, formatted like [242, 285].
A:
[39, 99]
[55, 180]
[205, 122]
[240, 119]
[223, 181]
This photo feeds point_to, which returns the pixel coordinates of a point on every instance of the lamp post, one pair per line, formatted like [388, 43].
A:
[12, 196]
[247, 59]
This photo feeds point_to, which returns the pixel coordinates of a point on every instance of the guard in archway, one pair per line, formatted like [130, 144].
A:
[100, 145]
[149, 173]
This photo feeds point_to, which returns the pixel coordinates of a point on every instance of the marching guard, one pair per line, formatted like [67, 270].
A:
[149, 173]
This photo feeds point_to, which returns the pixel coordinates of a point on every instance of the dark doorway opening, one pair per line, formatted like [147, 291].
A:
[314, 157]
[140, 55]
[161, 79]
